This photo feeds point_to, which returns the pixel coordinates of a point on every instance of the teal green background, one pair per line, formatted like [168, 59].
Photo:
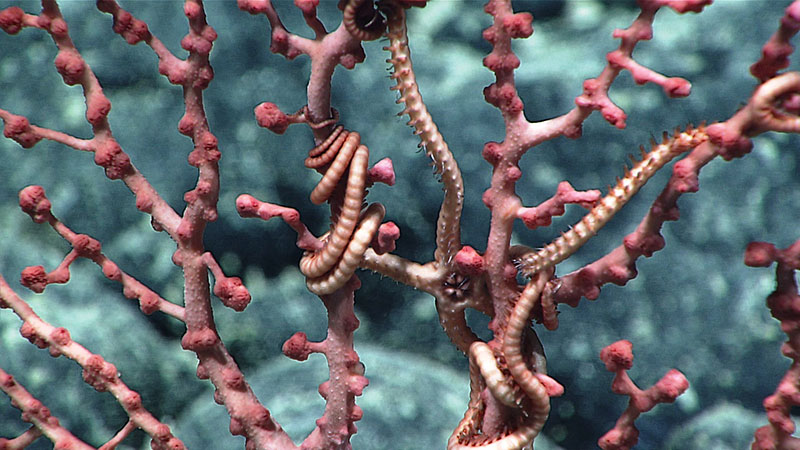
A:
[694, 305]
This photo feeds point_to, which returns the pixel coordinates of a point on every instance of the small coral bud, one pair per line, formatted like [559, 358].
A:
[33, 202]
[670, 386]
[384, 241]
[732, 144]
[532, 219]
[262, 417]
[518, 25]
[233, 379]
[28, 332]
[148, 303]
[185, 230]
[760, 254]
[356, 384]
[111, 271]
[232, 293]
[247, 205]
[357, 413]
[280, 43]
[202, 372]
[177, 258]
[208, 141]
[197, 340]
[296, 347]
[309, 7]
[162, 432]
[350, 322]
[186, 125]
[92, 369]
[109, 372]
[204, 77]
[174, 443]
[144, 201]
[86, 246]
[131, 401]
[469, 261]
[71, 66]
[190, 196]
[109, 155]
[500, 62]
[19, 129]
[644, 244]
[192, 10]
[60, 336]
[492, 152]
[34, 278]
[684, 177]
[209, 34]
[784, 306]
[7, 380]
[97, 109]
[553, 387]
[618, 356]
[236, 428]
[254, 6]
[382, 172]
[11, 19]
[513, 173]
[685, 6]
[33, 407]
[619, 438]
[353, 362]
[203, 187]
[131, 29]
[324, 389]
[174, 71]
[677, 87]
[270, 117]
[58, 26]
[490, 34]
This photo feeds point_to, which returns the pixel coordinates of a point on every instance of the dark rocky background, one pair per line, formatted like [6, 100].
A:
[694, 306]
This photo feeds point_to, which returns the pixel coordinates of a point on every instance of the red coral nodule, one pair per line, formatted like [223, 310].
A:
[270, 117]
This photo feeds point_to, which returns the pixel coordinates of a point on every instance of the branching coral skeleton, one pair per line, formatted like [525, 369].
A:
[510, 388]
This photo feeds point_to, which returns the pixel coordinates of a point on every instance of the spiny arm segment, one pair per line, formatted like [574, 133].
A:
[570, 241]
[448, 228]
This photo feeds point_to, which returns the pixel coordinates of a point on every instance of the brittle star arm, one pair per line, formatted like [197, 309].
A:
[626, 187]
[419, 276]
[448, 226]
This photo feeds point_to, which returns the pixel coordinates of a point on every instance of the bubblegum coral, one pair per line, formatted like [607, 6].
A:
[505, 290]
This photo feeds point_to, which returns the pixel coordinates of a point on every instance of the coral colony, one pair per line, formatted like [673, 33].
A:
[516, 286]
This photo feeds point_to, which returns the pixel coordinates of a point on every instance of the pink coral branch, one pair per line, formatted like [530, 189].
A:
[23, 440]
[775, 53]
[35, 412]
[249, 206]
[542, 215]
[510, 389]
[33, 201]
[114, 442]
[97, 372]
[784, 304]
[326, 52]
[618, 358]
